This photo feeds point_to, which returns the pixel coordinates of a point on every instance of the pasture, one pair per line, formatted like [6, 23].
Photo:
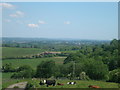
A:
[8, 52]
[79, 83]
[31, 62]
[83, 84]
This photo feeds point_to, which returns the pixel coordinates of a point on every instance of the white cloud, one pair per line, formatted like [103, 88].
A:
[41, 22]
[67, 22]
[33, 25]
[17, 14]
[7, 5]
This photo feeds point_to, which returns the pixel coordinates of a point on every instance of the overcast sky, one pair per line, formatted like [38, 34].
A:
[88, 20]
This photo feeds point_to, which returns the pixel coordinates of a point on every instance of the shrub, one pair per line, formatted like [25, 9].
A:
[24, 72]
[114, 76]
[32, 84]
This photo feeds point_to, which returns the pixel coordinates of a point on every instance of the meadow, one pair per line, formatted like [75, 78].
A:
[32, 62]
[79, 83]
[84, 84]
[9, 52]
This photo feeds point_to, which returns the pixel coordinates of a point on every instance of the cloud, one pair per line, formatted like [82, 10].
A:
[41, 22]
[33, 25]
[17, 14]
[7, 5]
[67, 22]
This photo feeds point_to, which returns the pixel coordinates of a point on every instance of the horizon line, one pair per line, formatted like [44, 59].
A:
[61, 38]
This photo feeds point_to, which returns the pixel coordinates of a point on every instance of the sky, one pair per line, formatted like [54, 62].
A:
[76, 20]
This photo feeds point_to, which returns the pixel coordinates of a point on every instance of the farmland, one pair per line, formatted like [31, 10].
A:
[93, 56]
[32, 62]
[80, 83]
[9, 52]
[83, 84]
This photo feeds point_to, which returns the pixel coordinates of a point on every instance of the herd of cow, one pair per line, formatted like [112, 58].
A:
[53, 82]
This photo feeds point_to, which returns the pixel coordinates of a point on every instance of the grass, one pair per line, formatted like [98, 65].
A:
[71, 51]
[0, 80]
[7, 75]
[7, 82]
[19, 62]
[82, 84]
[79, 83]
[31, 62]
[8, 52]
[12, 52]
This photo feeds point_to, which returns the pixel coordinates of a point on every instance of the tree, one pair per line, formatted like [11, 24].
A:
[95, 69]
[45, 69]
[114, 75]
[24, 72]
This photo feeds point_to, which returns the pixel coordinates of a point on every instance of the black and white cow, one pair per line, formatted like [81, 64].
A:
[72, 83]
[49, 82]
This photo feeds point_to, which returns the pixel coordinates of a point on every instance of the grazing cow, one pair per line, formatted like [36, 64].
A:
[93, 86]
[50, 82]
[72, 83]
[60, 84]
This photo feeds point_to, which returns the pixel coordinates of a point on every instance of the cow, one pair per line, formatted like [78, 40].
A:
[60, 84]
[41, 83]
[72, 83]
[49, 82]
[93, 86]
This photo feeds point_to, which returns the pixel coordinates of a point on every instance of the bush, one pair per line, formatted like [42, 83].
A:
[114, 76]
[83, 76]
[24, 72]
[32, 84]
[8, 68]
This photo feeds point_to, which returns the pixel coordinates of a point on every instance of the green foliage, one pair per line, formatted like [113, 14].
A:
[83, 76]
[24, 72]
[114, 75]
[45, 69]
[96, 69]
[8, 68]
[32, 84]
[96, 60]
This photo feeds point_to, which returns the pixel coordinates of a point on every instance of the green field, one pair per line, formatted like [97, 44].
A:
[79, 83]
[14, 52]
[84, 84]
[32, 62]
[8, 52]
